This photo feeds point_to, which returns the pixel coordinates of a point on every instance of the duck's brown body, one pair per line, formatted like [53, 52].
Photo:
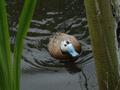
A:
[54, 45]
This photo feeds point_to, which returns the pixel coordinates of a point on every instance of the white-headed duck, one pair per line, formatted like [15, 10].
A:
[64, 47]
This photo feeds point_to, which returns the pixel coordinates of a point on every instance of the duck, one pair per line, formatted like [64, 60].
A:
[64, 47]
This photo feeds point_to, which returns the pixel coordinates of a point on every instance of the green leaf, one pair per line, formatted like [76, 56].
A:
[5, 56]
[23, 26]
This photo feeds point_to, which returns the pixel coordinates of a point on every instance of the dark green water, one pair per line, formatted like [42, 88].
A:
[39, 70]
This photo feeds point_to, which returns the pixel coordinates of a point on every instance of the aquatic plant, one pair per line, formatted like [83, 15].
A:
[102, 27]
[10, 66]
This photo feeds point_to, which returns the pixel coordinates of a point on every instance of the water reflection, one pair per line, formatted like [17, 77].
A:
[39, 69]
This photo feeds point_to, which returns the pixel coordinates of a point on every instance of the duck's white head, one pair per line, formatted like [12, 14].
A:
[67, 47]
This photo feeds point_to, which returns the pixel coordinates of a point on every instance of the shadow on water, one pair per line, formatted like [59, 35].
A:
[39, 69]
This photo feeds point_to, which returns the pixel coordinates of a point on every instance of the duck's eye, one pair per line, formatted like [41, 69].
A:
[67, 42]
[65, 45]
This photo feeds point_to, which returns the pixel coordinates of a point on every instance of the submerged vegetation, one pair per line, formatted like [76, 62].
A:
[10, 66]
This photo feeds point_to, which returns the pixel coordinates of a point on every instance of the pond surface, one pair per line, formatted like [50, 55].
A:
[39, 70]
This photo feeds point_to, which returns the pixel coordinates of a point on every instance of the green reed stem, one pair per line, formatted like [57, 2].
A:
[10, 69]
[102, 32]
[23, 26]
[5, 54]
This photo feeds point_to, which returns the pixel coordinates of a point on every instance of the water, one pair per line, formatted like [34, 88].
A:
[39, 70]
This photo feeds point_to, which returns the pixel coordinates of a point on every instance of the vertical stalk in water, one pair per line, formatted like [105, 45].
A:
[102, 31]
[23, 26]
[5, 53]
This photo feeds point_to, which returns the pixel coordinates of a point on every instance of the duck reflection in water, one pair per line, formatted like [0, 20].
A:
[66, 49]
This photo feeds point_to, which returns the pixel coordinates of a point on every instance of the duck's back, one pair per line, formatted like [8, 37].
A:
[54, 45]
